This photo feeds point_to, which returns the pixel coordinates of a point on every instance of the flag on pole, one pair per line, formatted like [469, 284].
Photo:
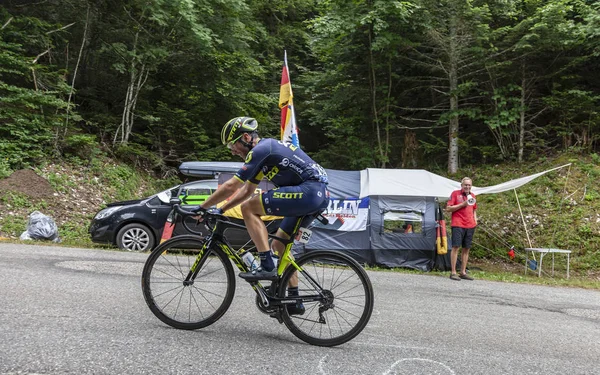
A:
[289, 129]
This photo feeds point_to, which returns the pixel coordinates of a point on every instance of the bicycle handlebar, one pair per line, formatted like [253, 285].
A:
[209, 219]
[184, 212]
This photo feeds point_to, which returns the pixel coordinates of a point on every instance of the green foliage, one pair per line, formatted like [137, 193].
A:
[61, 182]
[83, 146]
[72, 232]
[13, 226]
[31, 107]
[16, 199]
[5, 170]
[124, 179]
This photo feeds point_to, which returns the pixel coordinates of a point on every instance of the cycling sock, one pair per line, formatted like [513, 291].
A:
[266, 261]
[292, 291]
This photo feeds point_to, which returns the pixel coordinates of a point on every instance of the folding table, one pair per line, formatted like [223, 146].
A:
[542, 252]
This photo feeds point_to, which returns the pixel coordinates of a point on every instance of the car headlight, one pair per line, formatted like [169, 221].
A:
[107, 212]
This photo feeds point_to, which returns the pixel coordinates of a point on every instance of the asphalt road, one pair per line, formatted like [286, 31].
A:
[81, 311]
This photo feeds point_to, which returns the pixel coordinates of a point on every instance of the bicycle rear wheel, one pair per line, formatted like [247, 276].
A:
[345, 301]
[187, 305]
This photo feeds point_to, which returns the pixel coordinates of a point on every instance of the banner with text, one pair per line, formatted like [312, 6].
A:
[350, 214]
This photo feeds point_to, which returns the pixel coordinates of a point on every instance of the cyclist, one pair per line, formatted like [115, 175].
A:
[301, 190]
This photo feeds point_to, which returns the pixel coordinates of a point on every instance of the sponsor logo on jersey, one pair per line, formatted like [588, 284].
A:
[248, 157]
[272, 173]
[278, 195]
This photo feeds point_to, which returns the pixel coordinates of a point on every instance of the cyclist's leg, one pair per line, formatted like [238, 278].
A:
[279, 248]
[252, 210]
[288, 201]
[289, 225]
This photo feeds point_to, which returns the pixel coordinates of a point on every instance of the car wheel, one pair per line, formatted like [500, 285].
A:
[135, 237]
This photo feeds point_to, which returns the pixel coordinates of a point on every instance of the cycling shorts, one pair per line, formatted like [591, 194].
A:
[293, 202]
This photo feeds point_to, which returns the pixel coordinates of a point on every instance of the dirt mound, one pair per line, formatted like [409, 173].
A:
[27, 182]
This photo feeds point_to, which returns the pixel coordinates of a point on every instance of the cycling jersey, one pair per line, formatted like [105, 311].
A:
[281, 163]
[301, 182]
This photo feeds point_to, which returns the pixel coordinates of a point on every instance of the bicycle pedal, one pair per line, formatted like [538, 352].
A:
[277, 315]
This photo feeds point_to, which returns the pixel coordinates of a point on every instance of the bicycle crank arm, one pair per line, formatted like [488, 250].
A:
[263, 296]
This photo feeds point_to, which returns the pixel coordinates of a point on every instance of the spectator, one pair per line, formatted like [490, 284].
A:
[463, 206]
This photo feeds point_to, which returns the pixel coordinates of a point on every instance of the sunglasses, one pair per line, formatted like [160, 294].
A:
[232, 142]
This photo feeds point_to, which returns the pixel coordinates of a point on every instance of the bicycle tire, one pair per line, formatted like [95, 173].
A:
[187, 306]
[349, 288]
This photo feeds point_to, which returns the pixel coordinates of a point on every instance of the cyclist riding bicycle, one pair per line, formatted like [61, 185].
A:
[301, 190]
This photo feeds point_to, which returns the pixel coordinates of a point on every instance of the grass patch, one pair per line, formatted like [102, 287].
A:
[13, 225]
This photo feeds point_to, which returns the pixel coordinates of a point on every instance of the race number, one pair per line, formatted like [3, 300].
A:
[303, 235]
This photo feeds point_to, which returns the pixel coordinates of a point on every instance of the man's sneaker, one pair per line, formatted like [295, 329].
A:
[454, 276]
[259, 274]
[297, 309]
[464, 276]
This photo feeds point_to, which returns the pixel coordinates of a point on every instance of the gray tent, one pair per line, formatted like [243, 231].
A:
[386, 230]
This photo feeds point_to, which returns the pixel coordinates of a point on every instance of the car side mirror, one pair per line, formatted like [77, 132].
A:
[174, 201]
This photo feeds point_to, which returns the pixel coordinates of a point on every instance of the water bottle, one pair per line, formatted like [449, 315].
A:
[250, 261]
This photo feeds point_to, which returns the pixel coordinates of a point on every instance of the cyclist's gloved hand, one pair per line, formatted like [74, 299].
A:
[215, 211]
[201, 211]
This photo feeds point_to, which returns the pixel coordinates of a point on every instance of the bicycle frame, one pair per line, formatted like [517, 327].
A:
[216, 238]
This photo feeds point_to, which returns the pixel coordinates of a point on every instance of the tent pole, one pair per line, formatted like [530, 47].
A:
[522, 218]
[564, 197]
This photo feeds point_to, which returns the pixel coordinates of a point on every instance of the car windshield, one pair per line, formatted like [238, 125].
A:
[199, 187]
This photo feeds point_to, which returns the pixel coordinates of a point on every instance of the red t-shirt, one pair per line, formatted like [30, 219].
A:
[464, 217]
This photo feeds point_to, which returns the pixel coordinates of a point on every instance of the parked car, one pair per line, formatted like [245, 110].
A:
[137, 225]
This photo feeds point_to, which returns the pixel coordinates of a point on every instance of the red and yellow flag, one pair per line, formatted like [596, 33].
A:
[289, 129]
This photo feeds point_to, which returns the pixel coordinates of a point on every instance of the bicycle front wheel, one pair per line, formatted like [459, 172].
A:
[337, 295]
[181, 302]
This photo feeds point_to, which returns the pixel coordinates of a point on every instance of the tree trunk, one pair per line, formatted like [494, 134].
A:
[137, 79]
[453, 80]
[85, 30]
[372, 80]
[522, 119]
[409, 151]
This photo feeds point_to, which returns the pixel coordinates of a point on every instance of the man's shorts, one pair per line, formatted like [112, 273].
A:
[462, 237]
[293, 202]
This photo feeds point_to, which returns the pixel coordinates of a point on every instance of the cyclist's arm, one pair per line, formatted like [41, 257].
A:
[244, 193]
[223, 192]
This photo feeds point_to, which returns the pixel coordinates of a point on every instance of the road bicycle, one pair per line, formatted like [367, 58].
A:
[189, 282]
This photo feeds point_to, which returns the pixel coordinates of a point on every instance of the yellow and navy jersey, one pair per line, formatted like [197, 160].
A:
[281, 163]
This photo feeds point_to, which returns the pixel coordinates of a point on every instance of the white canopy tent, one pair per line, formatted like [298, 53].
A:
[421, 183]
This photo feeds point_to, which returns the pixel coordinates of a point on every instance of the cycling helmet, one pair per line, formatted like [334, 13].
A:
[235, 128]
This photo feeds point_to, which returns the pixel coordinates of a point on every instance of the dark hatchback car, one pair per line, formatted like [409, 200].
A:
[137, 225]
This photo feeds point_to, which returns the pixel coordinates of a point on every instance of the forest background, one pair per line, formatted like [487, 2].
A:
[492, 89]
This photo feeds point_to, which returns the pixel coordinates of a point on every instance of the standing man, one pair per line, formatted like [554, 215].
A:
[463, 206]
